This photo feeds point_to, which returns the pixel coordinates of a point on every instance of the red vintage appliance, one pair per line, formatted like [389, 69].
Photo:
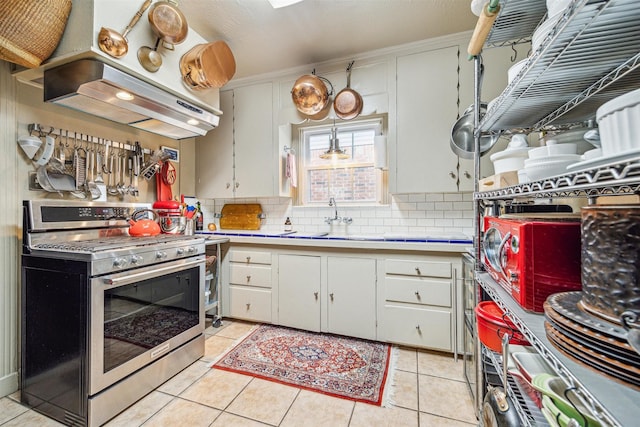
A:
[533, 257]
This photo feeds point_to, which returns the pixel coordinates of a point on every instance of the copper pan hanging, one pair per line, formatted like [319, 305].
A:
[348, 103]
[310, 94]
[168, 23]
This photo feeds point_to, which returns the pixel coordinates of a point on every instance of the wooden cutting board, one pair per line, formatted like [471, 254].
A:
[241, 216]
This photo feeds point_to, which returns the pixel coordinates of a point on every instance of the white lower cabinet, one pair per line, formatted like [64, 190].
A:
[402, 297]
[351, 287]
[299, 291]
[249, 287]
[418, 303]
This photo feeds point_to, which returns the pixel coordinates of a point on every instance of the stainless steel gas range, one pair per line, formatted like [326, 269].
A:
[105, 317]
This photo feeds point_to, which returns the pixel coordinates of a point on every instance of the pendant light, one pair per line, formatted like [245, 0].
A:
[334, 152]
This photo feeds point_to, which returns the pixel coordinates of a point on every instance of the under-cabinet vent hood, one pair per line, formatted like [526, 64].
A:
[91, 86]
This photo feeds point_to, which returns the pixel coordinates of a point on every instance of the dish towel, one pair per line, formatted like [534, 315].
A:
[292, 172]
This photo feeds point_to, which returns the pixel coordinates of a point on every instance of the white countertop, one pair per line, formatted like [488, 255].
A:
[442, 243]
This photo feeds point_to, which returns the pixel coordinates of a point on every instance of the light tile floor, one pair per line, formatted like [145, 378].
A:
[428, 388]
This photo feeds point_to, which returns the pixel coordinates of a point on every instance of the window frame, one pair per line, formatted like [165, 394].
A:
[298, 133]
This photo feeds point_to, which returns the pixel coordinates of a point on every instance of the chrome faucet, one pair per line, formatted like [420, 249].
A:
[346, 220]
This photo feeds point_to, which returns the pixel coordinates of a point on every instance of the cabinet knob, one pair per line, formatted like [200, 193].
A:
[452, 174]
[467, 174]
[248, 259]
[331, 296]
[228, 185]
[315, 294]
[417, 294]
[248, 306]
[248, 277]
[417, 326]
[418, 271]
[237, 184]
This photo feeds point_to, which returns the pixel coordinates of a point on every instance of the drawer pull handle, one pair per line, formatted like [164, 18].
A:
[418, 271]
[248, 259]
[248, 306]
[331, 296]
[417, 294]
[417, 326]
[248, 278]
[315, 294]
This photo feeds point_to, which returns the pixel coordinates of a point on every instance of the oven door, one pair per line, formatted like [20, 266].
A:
[140, 315]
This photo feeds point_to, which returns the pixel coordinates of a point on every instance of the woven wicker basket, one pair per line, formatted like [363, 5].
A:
[30, 30]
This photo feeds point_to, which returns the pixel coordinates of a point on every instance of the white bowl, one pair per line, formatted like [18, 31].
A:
[509, 160]
[554, 158]
[523, 178]
[553, 150]
[592, 154]
[548, 169]
[619, 123]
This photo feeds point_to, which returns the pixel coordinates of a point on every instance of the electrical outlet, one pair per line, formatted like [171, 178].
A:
[34, 185]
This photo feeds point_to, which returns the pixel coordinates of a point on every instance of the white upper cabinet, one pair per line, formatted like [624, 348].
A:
[237, 159]
[497, 62]
[255, 162]
[214, 155]
[426, 110]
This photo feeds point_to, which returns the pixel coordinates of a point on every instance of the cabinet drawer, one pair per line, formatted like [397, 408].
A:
[418, 268]
[250, 257]
[250, 303]
[250, 275]
[417, 290]
[417, 327]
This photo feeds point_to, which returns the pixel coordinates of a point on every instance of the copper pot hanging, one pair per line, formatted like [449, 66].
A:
[348, 103]
[168, 23]
[310, 95]
[209, 65]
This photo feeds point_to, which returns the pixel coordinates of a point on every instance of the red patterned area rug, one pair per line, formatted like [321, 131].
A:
[348, 368]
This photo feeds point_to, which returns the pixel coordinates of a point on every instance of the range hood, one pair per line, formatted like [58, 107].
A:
[94, 87]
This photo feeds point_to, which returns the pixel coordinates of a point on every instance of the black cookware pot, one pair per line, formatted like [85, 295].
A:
[498, 410]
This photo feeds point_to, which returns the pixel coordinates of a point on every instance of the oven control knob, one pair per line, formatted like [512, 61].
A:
[136, 259]
[119, 262]
[191, 250]
[180, 251]
[161, 255]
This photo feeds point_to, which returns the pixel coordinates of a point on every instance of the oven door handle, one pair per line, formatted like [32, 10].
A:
[135, 277]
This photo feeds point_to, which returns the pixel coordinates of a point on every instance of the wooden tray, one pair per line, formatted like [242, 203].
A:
[241, 216]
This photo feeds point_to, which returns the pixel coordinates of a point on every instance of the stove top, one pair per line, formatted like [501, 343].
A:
[113, 243]
[97, 233]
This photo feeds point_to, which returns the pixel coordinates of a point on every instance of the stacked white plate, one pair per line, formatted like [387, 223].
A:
[548, 161]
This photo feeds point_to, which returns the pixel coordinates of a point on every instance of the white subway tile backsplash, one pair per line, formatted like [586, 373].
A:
[410, 214]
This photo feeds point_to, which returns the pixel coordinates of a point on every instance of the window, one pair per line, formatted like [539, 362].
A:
[354, 180]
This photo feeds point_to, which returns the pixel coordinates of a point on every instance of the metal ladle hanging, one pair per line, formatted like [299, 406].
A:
[149, 58]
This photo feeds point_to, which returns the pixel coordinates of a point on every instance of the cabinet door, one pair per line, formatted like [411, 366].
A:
[351, 292]
[299, 291]
[214, 155]
[255, 164]
[496, 62]
[426, 110]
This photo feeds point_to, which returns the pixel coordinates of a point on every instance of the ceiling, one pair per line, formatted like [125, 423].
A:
[265, 40]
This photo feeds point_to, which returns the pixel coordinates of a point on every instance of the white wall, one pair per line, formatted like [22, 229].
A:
[374, 77]
[407, 214]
